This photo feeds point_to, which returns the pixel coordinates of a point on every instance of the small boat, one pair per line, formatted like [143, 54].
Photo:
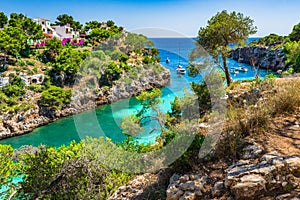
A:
[242, 69]
[234, 71]
[167, 60]
[180, 70]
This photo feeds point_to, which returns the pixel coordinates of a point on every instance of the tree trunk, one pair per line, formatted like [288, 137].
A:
[228, 78]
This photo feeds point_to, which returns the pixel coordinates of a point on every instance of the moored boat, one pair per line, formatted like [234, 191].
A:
[167, 60]
[180, 70]
[234, 71]
[242, 69]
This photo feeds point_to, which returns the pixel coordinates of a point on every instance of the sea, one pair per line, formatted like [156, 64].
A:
[105, 120]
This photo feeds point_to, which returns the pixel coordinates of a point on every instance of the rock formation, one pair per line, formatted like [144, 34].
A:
[262, 57]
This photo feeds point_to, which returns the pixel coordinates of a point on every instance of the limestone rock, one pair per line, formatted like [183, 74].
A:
[264, 57]
[188, 187]
[274, 174]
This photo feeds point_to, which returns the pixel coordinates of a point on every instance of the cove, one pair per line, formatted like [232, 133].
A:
[109, 117]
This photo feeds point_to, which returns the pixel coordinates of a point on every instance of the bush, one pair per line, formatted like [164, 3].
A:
[36, 87]
[55, 97]
[30, 63]
[287, 98]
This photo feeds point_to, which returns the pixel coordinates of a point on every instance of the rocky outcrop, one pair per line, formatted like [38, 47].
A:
[188, 187]
[273, 176]
[135, 188]
[263, 57]
[86, 99]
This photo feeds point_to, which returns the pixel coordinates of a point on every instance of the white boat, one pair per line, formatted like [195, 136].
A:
[242, 69]
[234, 71]
[180, 70]
[167, 60]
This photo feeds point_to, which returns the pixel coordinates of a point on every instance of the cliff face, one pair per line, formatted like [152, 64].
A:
[86, 99]
[262, 57]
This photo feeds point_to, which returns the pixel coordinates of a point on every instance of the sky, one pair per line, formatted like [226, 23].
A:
[173, 18]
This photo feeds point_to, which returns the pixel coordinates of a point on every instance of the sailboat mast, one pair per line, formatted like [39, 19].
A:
[178, 53]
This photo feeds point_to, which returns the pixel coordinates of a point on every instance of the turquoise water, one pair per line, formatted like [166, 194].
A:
[109, 117]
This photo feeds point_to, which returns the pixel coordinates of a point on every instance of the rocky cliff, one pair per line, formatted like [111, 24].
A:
[13, 124]
[263, 57]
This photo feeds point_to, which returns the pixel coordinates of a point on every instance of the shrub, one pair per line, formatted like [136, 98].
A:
[287, 98]
[36, 87]
[31, 63]
[55, 97]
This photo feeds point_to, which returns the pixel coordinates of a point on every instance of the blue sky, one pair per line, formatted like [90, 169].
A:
[183, 16]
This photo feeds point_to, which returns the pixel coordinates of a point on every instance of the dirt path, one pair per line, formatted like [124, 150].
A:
[283, 136]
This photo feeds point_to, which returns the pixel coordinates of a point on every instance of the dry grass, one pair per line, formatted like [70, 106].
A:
[282, 97]
[287, 97]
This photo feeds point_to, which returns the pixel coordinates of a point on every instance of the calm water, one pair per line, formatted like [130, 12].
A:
[109, 117]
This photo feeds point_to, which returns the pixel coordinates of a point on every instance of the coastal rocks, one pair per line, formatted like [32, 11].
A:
[83, 99]
[263, 57]
[150, 80]
[186, 187]
[273, 175]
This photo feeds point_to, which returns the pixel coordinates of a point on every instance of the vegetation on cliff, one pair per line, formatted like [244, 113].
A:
[289, 44]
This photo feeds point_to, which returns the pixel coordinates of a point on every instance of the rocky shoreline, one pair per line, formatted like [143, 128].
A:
[25, 122]
[262, 57]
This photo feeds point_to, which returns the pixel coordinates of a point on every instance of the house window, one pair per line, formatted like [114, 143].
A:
[67, 30]
[43, 22]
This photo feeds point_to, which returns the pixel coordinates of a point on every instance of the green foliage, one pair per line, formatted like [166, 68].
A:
[173, 116]
[136, 42]
[222, 29]
[55, 97]
[203, 95]
[111, 72]
[91, 25]
[16, 80]
[52, 49]
[98, 54]
[149, 100]
[295, 34]
[8, 170]
[292, 50]
[270, 40]
[110, 23]
[72, 173]
[36, 88]
[65, 19]
[31, 29]
[123, 58]
[13, 90]
[98, 35]
[3, 19]
[68, 61]
[131, 126]
[12, 40]
[10, 95]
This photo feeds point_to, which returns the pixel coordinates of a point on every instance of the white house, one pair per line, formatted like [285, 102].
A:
[66, 31]
[58, 32]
